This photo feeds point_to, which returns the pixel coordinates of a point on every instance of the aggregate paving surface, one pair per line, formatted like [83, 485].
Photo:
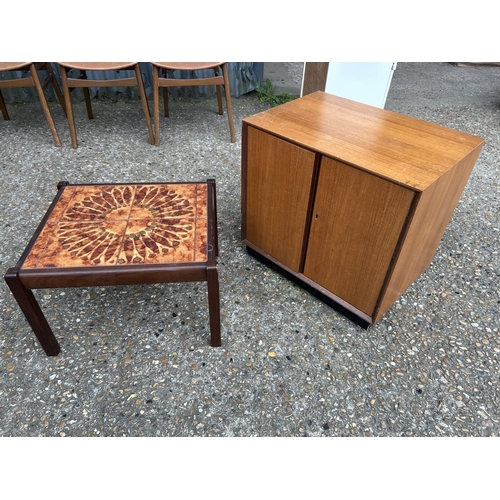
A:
[136, 361]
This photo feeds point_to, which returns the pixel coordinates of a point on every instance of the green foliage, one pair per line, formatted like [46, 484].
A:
[266, 94]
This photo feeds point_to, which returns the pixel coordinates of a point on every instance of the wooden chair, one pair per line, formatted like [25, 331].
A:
[33, 81]
[161, 79]
[81, 81]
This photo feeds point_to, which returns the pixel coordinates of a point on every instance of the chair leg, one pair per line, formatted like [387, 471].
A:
[219, 93]
[86, 95]
[165, 98]
[213, 304]
[34, 315]
[145, 107]
[88, 103]
[45, 106]
[52, 79]
[156, 105]
[227, 92]
[69, 107]
[3, 108]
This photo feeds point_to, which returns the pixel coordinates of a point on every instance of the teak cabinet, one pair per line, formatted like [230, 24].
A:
[348, 199]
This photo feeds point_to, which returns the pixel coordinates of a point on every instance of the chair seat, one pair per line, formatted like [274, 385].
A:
[97, 66]
[187, 66]
[12, 66]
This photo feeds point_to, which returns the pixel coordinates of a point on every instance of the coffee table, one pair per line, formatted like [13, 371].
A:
[120, 234]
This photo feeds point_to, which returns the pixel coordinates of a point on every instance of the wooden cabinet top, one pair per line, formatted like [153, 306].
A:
[411, 152]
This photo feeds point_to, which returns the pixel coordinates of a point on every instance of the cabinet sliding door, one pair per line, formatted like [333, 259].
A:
[356, 225]
[278, 188]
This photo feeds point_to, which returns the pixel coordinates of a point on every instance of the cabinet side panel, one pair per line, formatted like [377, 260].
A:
[357, 222]
[278, 185]
[432, 215]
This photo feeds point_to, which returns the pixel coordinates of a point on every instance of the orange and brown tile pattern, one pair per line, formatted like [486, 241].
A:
[124, 224]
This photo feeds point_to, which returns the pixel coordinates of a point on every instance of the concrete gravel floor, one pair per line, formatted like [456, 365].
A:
[136, 361]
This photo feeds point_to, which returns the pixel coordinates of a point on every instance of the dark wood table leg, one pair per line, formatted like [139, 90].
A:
[213, 303]
[33, 313]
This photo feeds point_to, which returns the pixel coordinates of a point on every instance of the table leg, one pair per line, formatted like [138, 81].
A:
[213, 304]
[33, 313]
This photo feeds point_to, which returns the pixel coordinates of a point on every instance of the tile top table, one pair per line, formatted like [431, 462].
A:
[119, 234]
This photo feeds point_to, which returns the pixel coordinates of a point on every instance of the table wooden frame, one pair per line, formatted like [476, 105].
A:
[22, 281]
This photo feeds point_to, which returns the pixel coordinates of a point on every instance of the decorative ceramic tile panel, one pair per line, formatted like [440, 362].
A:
[124, 224]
